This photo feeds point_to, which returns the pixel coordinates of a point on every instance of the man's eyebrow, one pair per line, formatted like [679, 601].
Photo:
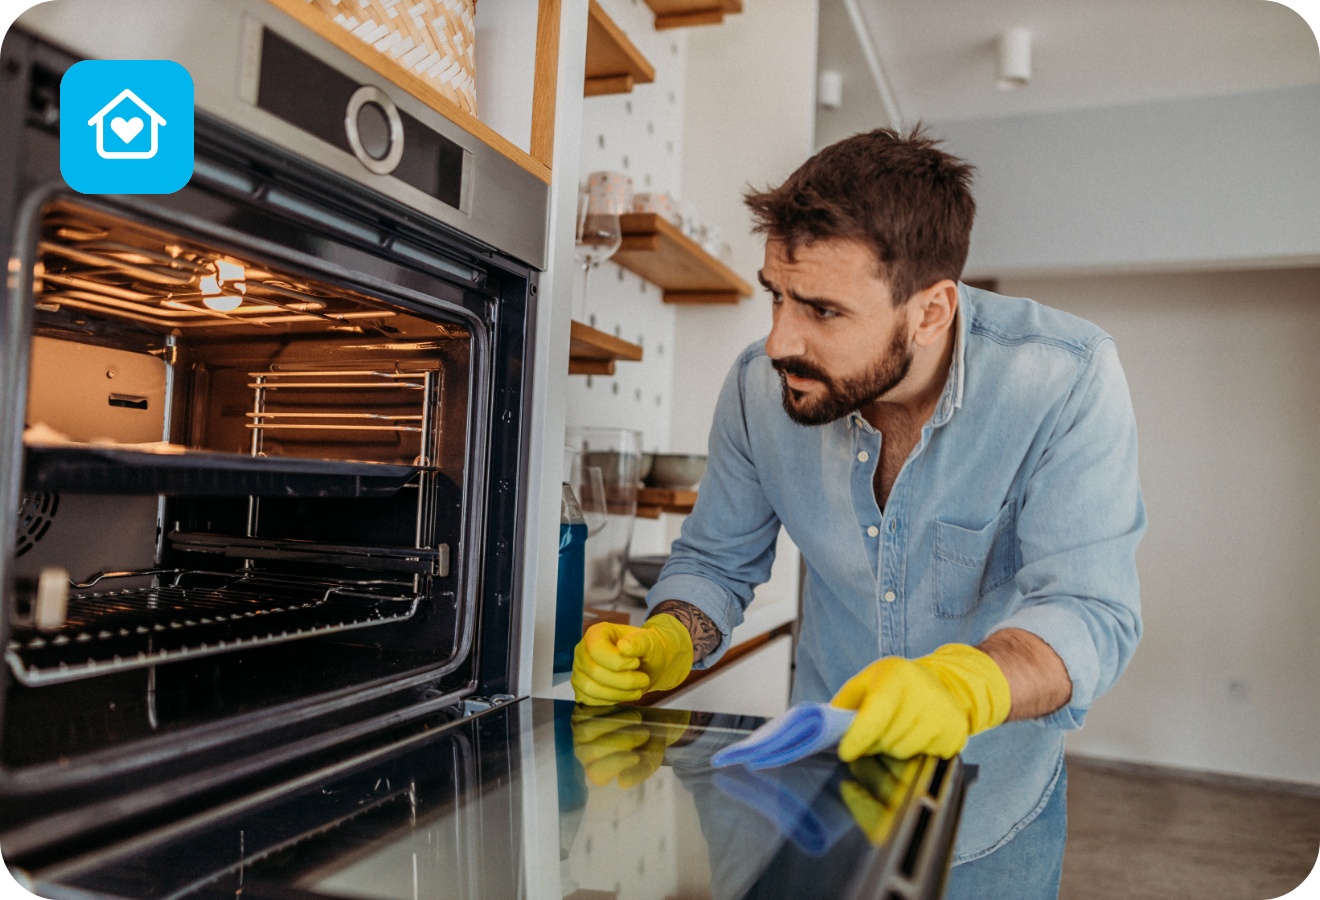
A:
[817, 302]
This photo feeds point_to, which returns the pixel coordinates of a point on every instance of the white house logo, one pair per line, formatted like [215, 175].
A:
[126, 146]
[126, 129]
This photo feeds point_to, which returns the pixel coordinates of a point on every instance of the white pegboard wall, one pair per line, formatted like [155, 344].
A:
[641, 135]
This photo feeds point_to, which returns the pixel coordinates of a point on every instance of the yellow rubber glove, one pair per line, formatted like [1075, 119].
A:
[878, 785]
[618, 663]
[906, 707]
[624, 743]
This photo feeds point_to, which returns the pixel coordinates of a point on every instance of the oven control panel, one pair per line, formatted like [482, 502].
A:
[358, 118]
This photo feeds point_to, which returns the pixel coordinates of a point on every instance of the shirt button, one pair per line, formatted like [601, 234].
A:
[890, 596]
[863, 456]
[873, 531]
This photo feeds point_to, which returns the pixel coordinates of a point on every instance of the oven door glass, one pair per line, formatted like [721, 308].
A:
[544, 799]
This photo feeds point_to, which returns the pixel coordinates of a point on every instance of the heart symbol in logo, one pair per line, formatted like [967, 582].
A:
[127, 129]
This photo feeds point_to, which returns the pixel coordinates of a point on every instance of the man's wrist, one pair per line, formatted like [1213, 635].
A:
[1037, 676]
[705, 635]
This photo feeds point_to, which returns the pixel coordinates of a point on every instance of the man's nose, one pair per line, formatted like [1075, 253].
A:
[785, 340]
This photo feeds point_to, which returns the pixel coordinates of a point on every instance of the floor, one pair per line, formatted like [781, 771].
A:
[1138, 832]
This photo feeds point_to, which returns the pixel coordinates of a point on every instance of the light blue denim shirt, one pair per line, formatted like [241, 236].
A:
[1018, 508]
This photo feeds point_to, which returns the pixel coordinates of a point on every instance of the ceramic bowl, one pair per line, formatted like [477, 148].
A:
[646, 569]
[680, 471]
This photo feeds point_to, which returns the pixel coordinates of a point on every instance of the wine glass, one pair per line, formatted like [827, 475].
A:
[599, 234]
[606, 469]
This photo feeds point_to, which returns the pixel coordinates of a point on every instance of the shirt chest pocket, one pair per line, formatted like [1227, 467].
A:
[971, 562]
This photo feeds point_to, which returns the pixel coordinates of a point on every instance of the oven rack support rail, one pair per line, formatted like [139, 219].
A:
[95, 469]
[185, 614]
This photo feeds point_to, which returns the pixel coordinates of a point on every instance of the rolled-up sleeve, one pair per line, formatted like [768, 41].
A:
[1082, 517]
[727, 543]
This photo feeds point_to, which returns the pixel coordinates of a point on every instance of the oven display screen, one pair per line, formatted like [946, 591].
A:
[311, 95]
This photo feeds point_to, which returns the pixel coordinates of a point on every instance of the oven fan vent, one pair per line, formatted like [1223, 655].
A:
[35, 513]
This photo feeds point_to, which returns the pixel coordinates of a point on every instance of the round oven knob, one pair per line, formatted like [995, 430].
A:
[374, 129]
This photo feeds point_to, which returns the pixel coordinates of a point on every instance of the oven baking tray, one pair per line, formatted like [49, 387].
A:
[195, 473]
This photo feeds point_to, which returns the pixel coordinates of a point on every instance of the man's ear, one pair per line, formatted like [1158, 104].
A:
[935, 309]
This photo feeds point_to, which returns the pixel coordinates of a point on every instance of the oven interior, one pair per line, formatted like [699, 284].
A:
[245, 484]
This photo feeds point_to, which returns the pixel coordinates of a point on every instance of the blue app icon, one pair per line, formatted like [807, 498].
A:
[126, 126]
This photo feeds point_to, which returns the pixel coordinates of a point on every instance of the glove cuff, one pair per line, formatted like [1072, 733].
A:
[678, 651]
[976, 678]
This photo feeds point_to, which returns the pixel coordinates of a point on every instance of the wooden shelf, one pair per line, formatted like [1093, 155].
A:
[655, 249]
[651, 502]
[614, 65]
[593, 352]
[682, 13]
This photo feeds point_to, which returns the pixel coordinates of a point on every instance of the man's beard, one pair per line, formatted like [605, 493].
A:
[845, 395]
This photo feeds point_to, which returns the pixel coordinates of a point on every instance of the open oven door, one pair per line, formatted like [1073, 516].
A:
[526, 800]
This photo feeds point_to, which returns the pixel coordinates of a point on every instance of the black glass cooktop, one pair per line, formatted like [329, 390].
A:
[542, 798]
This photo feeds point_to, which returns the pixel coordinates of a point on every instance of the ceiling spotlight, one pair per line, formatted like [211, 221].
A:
[829, 89]
[1014, 59]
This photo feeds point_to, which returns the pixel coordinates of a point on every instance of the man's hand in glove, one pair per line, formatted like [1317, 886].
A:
[618, 663]
[627, 744]
[907, 707]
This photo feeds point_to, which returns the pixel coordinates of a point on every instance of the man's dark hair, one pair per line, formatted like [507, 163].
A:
[899, 195]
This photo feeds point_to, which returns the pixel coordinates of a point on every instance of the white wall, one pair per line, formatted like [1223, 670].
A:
[691, 134]
[748, 121]
[639, 134]
[1225, 377]
[839, 49]
[1215, 181]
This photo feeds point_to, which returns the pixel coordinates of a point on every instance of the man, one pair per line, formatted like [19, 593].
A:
[959, 471]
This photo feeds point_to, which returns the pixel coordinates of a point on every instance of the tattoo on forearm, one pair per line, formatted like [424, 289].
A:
[696, 727]
[705, 636]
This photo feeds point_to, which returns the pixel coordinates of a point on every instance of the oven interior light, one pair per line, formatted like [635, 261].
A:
[223, 302]
[227, 271]
[209, 286]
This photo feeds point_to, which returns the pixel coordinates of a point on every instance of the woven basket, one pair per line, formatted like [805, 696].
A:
[432, 39]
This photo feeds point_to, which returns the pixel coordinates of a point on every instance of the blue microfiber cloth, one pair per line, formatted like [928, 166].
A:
[796, 801]
[805, 729]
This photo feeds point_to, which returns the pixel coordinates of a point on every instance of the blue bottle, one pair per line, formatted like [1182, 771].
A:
[572, 565]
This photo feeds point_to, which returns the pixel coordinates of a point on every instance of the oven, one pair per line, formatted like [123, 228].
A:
[264, 482]
[263, 438]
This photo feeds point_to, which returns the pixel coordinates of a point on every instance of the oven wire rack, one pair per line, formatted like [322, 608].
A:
[185, 614]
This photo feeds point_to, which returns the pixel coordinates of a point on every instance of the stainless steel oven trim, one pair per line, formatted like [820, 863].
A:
[503, 205]
[18, 288]
[19, 285]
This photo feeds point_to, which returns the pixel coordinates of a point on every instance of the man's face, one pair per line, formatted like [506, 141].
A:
[837, 341]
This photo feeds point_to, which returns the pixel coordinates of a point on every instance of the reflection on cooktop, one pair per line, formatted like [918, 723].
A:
[546, 799]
